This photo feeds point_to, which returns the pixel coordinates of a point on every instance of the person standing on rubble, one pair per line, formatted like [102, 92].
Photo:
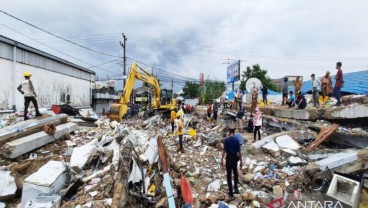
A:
[239, 118]
[232, 154]
[254, 100]
[316, 83]
[257, 123]
[172, 119]
[285, 91]
[326, 86]
[240, 99]
[180, 132]
[209, 111]
[298, 84]
[27, 90]
[339, 83]
[215, 110]
[264, 93]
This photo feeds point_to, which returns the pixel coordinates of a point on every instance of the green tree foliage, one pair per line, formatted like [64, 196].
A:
[259, 73]
[213, 90]
[191, 89]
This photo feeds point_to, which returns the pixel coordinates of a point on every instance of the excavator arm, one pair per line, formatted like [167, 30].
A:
[117, 111]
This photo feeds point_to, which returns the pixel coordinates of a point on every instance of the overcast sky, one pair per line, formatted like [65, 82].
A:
[286, 37]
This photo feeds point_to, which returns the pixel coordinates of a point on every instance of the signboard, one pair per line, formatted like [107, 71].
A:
[233, 72]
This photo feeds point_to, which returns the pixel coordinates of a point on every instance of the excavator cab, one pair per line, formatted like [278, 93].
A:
[161, 99]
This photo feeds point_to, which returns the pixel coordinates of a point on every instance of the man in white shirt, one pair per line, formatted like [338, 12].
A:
[27, 90]
[316, 83]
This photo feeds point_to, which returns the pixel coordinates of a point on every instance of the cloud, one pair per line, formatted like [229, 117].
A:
[187, 38]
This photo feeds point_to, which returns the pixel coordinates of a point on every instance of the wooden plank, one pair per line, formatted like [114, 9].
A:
[25, 128]
[322, 136]
[164, 166]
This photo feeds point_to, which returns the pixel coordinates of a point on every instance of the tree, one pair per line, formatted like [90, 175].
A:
[259, 73]
[213, 90]
[191, 89]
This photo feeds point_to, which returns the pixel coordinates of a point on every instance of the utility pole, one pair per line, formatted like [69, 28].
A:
[172, 87]
[123, 44]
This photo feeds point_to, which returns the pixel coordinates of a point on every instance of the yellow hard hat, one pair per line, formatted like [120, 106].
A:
[177, 114]
[27, 74]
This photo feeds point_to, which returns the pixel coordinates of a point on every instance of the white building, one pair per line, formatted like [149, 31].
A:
[55, 80]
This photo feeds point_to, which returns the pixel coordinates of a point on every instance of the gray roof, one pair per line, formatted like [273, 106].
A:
[42, 53]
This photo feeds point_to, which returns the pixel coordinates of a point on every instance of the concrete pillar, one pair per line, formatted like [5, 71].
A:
[13, 79]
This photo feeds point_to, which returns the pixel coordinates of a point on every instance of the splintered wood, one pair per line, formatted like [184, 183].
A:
[322, 136]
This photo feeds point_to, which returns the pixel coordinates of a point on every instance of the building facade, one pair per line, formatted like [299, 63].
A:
[56, 81]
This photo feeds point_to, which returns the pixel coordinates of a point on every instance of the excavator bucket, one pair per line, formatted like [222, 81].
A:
[117, 111]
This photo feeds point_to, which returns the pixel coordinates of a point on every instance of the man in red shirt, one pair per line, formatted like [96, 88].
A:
[339, 83]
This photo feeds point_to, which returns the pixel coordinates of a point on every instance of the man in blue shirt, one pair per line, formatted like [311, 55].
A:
[232, 153]
[291, 101]
[238, 136]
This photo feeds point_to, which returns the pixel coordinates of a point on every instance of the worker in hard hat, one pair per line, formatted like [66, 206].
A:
[172, 119]
[180, 132]
[27, 90]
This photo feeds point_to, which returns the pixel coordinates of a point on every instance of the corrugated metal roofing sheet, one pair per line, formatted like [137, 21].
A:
[355, 83]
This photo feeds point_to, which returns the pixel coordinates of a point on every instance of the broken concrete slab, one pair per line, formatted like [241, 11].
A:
[351, 111]
[296, 161]
[82, 154]
[26, 144]
[44, 202]
[291, 113]
[272, 148]
[289, 151]
[49, 179]
[262, 142]
[287, 142]
[8, 185]
[28, 127]
[337, 160]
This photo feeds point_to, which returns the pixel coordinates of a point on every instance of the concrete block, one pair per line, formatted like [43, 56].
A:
[262, 142]
[48, 180]
[287, 142]
[296, 160]
[26, 144]
[351, 111]
[272, 148]
[337, 160]
[289, 151]
[82, 154]
[291, 113]
[44, 202]
[344, 190]
[8, 186]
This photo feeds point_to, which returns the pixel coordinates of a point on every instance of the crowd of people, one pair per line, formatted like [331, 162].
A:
[323, 85]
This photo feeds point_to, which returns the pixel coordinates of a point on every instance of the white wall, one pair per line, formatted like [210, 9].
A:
[49, 86]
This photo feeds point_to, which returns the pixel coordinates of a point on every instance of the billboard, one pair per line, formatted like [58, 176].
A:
[233, 72]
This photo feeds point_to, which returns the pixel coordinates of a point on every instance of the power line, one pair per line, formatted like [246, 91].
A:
[51, 47]
[90, 49]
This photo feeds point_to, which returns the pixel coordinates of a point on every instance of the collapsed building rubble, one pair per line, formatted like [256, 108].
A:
[136, 163]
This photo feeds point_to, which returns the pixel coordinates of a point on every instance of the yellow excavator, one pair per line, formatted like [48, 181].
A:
[118, 110]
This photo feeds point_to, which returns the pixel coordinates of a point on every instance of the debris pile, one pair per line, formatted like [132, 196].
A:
[136, 163]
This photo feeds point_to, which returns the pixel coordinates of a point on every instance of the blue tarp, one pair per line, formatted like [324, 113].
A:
[354, 83]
